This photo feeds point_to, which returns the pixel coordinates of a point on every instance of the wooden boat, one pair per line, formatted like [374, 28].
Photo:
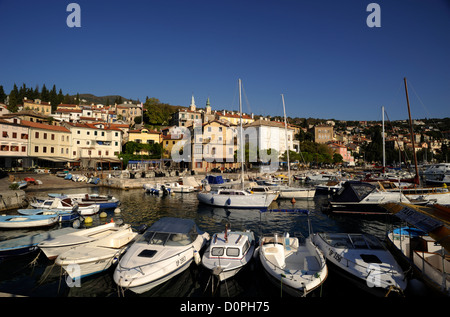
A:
[228, 253]
[54, 247]
[29, 243]
[20, 221]
[96, 256]
[298, 267]
[363, 260]
[164, 250]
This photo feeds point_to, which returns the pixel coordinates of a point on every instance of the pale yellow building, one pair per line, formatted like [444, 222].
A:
[144, 135]
[48, 142]
[37, 105]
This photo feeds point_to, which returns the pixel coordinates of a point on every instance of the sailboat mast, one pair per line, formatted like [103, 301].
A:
[286, 140]
[416, 178]
[384, 146]
[241, 133]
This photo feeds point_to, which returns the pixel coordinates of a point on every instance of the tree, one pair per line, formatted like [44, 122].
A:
[45, 93]
[13, 99]
[2, 95]
[337, 158]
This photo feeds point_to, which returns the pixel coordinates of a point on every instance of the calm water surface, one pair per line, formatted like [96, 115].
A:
[35, 275]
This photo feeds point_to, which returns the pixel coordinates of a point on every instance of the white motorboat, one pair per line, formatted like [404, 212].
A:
[329, 188]
[362, 259]
[428, 258]
[236, 198]
[29, 243]
[299, 267]
[28, 221]
[85, 199]
[96, 256]
[363, 198]
[289, 192]
[65, 204]
[435, 173]
[156, 189]
[164, 250]
[55, 246]
[228, 252]
[176, 187]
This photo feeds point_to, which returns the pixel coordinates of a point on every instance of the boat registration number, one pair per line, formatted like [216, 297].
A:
[181, 260]
[335, 255]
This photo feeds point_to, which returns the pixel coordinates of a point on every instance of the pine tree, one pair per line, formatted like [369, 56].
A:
[13, 99]
[44, 93]
[2, 95]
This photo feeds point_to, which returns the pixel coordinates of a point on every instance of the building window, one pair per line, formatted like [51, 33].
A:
[24, 148]
[45, 136]
[36, 135]
[53, 136]
[52, 150]
[44, 149]
[14, 135]
[36, 149]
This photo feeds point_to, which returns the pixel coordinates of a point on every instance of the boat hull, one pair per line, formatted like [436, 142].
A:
[217, 200]
[20, 222]
[372, 269]
[299, 270]
[28, 244]
[88, 261]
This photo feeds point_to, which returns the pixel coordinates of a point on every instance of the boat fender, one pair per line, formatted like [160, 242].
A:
[103, 214]
[117, 211]
[88, 220]
[212, 200]
[197, 258]
[228, 201]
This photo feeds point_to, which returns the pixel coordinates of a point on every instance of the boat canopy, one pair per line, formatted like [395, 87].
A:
[171, 231]
[215, 179]
[353, 191]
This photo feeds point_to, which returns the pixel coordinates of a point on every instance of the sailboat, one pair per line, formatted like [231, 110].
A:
[237, 198]
[289, 192]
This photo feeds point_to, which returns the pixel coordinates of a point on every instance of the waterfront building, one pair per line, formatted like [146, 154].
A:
[95, 144]
[49, 145]
[13, 144]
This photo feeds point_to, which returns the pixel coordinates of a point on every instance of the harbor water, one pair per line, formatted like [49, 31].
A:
[35, 276]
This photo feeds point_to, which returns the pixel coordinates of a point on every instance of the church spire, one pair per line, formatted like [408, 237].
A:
[208, 106]
[192, 105]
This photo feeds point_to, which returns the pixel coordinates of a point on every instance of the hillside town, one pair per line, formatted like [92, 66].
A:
[97, 136]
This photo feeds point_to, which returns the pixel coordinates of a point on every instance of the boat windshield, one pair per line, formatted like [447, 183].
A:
[220, 251]
[167, 239]
[351, 241]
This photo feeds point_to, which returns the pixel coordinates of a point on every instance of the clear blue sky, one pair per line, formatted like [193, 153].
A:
[320, 54]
